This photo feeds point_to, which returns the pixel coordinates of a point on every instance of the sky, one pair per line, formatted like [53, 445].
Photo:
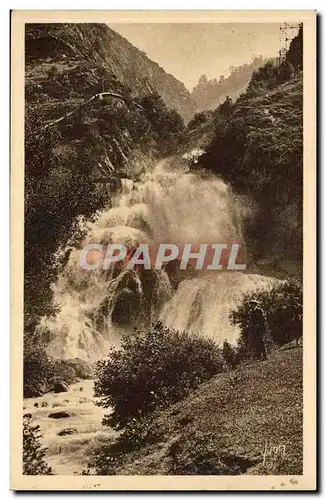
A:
[190, 50]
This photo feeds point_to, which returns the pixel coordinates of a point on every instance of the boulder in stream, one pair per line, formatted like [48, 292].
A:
[68, 431]
[60, 386]
[61, 414]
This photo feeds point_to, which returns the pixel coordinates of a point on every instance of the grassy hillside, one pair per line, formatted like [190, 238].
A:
[228, 426]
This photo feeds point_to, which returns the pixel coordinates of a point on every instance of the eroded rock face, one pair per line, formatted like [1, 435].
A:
[125, 303]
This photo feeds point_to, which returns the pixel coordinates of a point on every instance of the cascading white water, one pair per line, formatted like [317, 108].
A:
[168, 205]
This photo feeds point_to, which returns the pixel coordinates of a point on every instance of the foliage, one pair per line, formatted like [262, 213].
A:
[107, 458]
[229, 354]
[38, 369]
[282, 305]
[57, 191]
[295, 52]
[264, 77]
[33, 452]
[41, 372]
[167, 125]
[151, 371]
[198, 120]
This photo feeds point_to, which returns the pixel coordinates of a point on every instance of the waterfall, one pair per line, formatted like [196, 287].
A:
[167, 205]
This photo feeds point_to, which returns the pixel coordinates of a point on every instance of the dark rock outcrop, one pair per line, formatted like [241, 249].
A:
[60, 386]
[67, 432]
[61, 414]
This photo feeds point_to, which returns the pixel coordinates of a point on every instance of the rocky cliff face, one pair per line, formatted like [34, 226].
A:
[78, 60]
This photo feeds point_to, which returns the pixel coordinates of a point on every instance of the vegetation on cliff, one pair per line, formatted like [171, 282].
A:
[258, 149]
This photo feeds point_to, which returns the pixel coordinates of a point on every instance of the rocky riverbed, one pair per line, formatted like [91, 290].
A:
[71, 438]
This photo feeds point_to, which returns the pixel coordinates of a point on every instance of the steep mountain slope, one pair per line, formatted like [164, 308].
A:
[83, 57]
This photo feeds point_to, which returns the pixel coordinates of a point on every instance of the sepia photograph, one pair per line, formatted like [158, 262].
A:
[163, 250]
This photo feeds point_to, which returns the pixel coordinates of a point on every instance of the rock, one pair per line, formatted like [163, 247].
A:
[27, 415]
[68, 431]
[36, 405]
[60, 386]
[44, 404]
[34, 392]
[64, 372]
[82, 368]
[61, 414]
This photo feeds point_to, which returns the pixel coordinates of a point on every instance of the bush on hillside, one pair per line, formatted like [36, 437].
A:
[230, 355]
[198, 120]
[33, 451]
[282, 304]
[152, 371]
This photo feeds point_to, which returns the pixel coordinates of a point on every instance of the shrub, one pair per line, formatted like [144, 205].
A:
[38, 370]
[33, 452]
[282, 304]
[229, 354]
[152, 371]
[198, 120]
[41, 372]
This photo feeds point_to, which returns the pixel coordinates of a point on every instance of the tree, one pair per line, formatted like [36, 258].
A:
[38, 369]
[33, 451]
[57, 190]
[229, 354]
[226, 108]
[166, 124]
[295, 52]
[282, 304]
[151, 371]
